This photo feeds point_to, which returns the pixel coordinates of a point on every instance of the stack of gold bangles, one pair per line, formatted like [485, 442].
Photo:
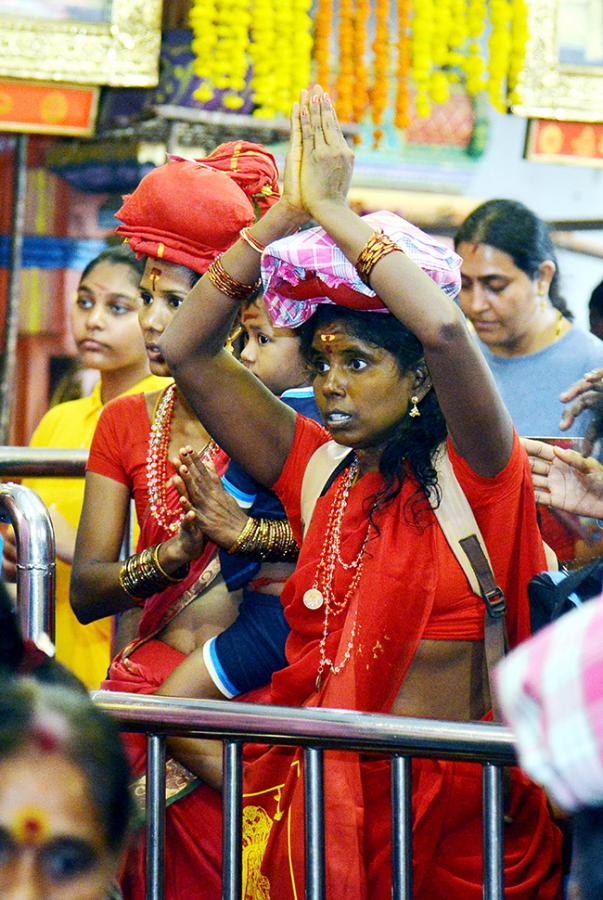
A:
[228, 285]
[378, 246]
[266, 539]
[142, 574]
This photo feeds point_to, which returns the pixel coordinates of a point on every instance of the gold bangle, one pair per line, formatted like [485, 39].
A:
[228, 285]
[377, 246]
[252, 242]
[180, 573]
[125, 586]
[248, 528]
[141, 575]
[268, 540]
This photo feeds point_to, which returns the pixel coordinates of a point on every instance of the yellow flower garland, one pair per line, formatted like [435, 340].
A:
[519, 40]
[421, 65]
[440, 42]
[271, 36]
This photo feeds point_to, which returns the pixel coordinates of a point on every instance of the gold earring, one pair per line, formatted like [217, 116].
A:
[414, 410]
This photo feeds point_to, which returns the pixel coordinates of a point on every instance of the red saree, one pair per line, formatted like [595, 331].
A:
[410, 589]
[119, 451]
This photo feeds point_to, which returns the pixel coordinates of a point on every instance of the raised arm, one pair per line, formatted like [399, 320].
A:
[475, 415]
[248, 422]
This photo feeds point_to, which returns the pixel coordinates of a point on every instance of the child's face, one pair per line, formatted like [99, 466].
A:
[272, 354]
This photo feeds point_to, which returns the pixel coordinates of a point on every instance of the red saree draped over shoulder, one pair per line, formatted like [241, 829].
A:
[119, 451]
[411, 588]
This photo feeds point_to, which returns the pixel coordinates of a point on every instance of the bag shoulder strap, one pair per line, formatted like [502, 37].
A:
[323, 467]
[457, 522]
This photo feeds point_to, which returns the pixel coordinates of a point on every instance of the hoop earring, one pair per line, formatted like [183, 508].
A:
[414, 410]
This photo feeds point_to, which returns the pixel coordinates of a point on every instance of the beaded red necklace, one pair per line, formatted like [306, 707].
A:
[157, 462]
[321, 593]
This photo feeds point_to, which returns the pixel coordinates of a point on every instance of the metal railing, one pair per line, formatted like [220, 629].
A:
[41, 462]
[23, 509]
[314, 730]
[51, 462]
[236, 723]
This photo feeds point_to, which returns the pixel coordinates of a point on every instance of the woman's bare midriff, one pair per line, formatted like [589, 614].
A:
[445, 680]
[204, 617]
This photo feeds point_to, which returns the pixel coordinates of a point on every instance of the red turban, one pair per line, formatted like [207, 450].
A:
[189, 211]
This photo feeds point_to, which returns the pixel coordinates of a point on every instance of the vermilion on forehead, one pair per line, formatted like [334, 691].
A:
[165, 277]
[256, 316]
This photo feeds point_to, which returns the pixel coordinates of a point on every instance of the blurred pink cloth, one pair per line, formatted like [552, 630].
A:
[550, 690]
[289, 266]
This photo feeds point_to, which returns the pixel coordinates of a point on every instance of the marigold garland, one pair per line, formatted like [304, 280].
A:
[344, 85]
[402, 116]
[380, 87]
[473, 64]
[300, 48]
[438, 43]
[322, 42]
[499, 46]
[261, 53]
[519, 40]
[421, 58]
[360, 98]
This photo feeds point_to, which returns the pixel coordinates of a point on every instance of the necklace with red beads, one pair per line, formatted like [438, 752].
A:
[157, 462]
[321, 593]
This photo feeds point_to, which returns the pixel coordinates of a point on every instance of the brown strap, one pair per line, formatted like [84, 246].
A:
[495, 631]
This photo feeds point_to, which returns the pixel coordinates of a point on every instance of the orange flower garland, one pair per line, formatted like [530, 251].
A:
[322, 42]
[380, 90]
[344, 85]
[402, 117]
[360, 100]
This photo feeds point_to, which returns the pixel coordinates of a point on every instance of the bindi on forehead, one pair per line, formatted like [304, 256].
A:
[30, 826]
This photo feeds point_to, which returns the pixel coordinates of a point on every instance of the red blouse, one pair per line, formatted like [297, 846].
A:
[412, 586]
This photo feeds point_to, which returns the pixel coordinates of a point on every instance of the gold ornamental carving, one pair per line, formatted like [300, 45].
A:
[551, 88]
[122, 52]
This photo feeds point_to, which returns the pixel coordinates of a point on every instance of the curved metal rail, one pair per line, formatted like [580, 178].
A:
[23, 509]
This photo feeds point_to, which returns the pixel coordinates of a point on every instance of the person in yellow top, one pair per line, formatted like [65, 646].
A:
[105, 327]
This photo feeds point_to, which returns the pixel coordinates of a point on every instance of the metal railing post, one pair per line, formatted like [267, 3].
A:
[232, 811]
[314, 823]
[493, 833]
[24, 510]
[318, 729]
[155, 817]
[401, 780]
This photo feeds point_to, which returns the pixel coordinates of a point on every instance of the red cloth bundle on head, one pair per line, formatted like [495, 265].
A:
[189, 211]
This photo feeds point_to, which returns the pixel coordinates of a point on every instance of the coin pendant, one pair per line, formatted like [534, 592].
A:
[313, 599]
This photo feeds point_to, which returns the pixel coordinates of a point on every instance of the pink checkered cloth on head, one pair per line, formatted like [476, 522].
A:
[288, 262]
[551, 694]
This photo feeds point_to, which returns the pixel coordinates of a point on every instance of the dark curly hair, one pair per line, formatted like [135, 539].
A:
[413, 443]
[512, 228]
